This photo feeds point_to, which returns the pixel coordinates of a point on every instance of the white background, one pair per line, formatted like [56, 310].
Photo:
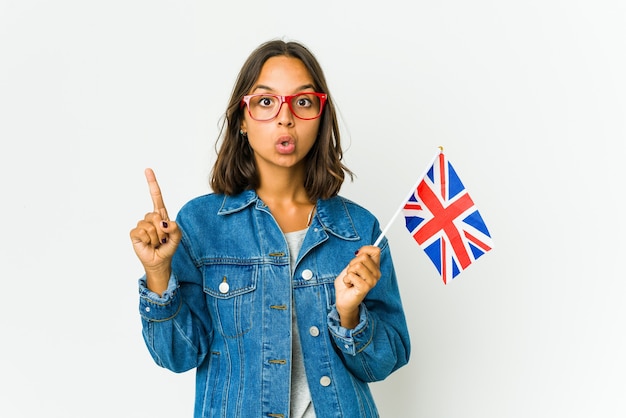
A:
[528, 99]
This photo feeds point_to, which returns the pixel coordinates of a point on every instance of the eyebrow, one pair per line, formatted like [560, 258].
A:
[268, 88]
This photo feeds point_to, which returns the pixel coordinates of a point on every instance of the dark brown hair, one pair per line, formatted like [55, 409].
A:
[235, 168]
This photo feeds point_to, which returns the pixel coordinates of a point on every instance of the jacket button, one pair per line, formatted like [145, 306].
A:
[314, 331]
[224, 287]
[325, 381]
[307, 274]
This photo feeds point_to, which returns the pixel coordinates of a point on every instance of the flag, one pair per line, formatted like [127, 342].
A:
[443, 219]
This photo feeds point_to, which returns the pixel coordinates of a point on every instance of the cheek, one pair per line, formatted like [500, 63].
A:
[312, 134]
[311, 129]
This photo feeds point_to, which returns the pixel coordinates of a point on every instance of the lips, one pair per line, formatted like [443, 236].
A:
[285, 145]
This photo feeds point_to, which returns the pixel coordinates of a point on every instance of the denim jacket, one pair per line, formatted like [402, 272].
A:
[227, 310]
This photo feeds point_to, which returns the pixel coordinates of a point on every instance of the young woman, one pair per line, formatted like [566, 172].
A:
[269, 286]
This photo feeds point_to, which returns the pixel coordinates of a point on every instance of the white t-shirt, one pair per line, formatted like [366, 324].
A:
[301, 405]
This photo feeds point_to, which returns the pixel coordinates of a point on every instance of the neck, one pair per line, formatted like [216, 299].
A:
[288, 201]
[283, 187]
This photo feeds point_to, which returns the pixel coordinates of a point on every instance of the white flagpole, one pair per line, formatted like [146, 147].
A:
[395, 215]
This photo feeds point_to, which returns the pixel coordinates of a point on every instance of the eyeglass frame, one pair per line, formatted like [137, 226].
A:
[284, 99]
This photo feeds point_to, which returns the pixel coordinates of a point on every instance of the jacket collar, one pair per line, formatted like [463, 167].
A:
[332, 214]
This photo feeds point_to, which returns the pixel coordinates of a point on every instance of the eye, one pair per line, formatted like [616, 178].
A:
[303, 101]
[265, 101]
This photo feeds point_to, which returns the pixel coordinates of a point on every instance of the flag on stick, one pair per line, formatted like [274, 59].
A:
[443, 220]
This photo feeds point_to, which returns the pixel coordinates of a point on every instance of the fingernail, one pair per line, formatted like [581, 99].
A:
[163, 240]
[356, 252]
[164, 224]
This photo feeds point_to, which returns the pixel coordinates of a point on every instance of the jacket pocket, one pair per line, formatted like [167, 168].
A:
[230, 291]
[327, 283]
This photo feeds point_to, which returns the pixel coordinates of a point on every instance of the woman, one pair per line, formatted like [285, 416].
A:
[269, 286]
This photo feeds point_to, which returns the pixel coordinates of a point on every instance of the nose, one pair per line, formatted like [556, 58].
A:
[285, 116]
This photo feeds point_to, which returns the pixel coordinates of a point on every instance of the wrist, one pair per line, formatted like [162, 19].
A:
[348, 318]
[158, 279]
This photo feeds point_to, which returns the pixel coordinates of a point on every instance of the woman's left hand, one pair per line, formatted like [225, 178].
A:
[354, 282]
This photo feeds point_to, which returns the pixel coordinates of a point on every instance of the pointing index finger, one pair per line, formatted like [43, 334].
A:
[155, 193]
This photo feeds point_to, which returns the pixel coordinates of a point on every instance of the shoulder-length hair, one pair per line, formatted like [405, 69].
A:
[235, 168]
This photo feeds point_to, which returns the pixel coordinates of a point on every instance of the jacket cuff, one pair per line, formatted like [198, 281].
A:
[155, 308]
[351, 341]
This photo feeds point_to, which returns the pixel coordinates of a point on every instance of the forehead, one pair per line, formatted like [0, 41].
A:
[283, 74]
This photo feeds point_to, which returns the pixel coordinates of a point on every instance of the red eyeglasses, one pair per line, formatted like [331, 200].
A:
[264, 107]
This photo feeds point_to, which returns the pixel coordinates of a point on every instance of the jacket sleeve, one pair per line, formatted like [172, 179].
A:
[176, 326]
[380, 343]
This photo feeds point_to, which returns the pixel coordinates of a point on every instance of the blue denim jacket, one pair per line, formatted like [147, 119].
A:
[227, 310]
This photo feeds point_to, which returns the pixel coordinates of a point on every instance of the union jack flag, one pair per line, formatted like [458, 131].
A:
[444, 221]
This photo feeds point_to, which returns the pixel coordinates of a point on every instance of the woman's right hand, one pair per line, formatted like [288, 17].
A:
[155, 239]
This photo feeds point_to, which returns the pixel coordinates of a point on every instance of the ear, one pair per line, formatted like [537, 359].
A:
[243, 127]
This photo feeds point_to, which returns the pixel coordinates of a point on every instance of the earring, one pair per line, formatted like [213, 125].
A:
[243, 133]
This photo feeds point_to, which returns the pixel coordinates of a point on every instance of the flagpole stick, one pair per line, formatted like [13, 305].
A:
[395, 215]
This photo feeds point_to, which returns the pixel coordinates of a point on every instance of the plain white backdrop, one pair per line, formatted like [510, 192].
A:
[528, 98]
